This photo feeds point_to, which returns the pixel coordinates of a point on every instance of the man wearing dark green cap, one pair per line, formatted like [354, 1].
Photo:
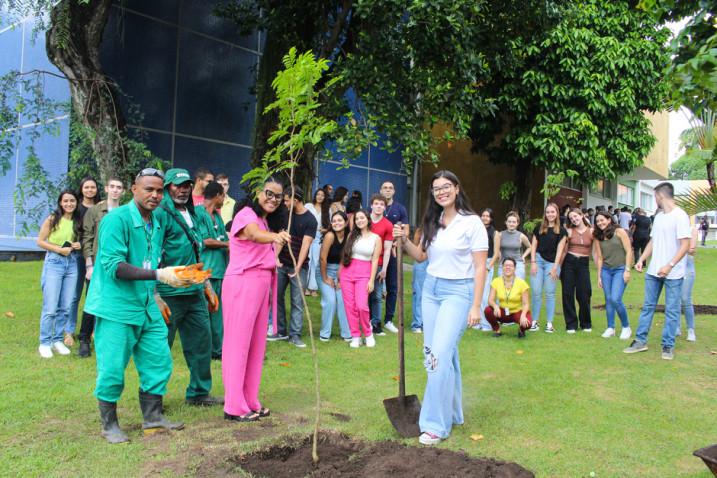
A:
[190, 316]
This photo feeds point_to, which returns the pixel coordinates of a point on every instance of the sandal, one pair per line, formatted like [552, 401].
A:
[263, 412]
[69, 340]
[249, 417]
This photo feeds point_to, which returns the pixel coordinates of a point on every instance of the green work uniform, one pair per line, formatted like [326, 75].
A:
[212, 227]
[129, 323]
[190, 314]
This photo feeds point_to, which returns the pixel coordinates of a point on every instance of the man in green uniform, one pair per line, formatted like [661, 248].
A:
[190, 316]
[214, 255]
[122, 298]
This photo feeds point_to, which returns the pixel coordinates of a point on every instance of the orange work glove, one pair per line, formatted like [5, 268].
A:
[212, 298]
[194, 273]
[163, 307]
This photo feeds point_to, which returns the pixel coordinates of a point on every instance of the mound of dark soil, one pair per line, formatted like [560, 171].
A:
[699, 309]
[344, 457]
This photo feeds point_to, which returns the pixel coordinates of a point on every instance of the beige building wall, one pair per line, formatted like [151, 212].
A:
[658, 160]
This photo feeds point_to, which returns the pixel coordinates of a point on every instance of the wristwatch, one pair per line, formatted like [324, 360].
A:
[671, 264]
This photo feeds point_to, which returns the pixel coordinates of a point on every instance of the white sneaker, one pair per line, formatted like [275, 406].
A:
[570, 331]
[609, 332]
[626, 333]
[355, 342]
[587, 330]
[390, 327]
[45, 351]
[370, 341]
[419, 330]
[535, 326]
[549, 328]
[691, 337]
[428, 439]
[60, 348]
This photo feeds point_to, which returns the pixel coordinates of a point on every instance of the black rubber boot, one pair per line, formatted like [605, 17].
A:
[84, 351]
[110, 426]
[154, 421]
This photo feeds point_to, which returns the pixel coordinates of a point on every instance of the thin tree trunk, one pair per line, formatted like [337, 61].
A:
[522, 200]
[73, 46]
[711, 176]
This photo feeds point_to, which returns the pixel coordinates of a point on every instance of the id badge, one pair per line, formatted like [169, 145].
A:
[147, 264]
[507, 312]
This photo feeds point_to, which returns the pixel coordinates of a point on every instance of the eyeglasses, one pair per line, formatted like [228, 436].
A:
[150, 172]
[442, 189]
[272, 196]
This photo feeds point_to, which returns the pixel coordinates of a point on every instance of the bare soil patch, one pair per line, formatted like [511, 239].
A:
[699, 309]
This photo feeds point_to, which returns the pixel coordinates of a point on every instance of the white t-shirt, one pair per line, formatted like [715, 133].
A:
[187, 217]
[450, 254]
[364, 247]
[317, 214]
[625, 218]
[667, 230]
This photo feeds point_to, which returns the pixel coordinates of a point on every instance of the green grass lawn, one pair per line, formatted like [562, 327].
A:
[560, 405]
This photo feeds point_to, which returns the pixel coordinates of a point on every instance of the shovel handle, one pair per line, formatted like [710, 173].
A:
[399, 315]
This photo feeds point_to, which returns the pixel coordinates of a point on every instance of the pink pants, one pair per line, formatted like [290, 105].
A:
[245, 302]
[354, 280]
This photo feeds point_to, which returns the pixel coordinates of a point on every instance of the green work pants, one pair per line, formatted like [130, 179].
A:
[191, 317]
[217, 321]
[116, 342]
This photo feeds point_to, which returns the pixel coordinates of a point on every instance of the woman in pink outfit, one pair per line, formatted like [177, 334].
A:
[248, 281]
[359, 264]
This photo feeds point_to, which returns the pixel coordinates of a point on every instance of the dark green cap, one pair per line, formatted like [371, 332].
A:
[177, 176]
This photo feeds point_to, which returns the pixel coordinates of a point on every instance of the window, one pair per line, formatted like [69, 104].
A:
[571, 183]
[647, 202]
[601, 188]
[625, 195]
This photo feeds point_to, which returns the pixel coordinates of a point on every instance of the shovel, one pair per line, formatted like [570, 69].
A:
[403, 411]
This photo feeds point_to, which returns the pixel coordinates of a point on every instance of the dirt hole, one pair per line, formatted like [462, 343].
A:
[341, 456]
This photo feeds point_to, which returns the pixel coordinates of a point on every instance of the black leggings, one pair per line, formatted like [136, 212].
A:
[575, 276]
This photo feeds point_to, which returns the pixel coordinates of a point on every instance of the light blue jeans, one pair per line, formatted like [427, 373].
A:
[542, 282]
[653, 289]
[486, 293]
[687, 284]
[419, 277]
[332, 303]
[71, 324]
[519, 269]
[58, 283]
[314, 272]
[613, 286]
[445, 305]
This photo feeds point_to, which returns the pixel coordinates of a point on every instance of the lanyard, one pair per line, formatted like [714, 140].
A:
[148, 233]
[508, 291]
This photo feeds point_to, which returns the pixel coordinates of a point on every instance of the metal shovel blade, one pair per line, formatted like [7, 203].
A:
[403, 414]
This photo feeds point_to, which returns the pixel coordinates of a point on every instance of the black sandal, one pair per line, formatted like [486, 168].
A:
[263, 412]
[249, 417]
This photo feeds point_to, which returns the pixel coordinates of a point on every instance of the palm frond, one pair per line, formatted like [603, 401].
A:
[697, 201]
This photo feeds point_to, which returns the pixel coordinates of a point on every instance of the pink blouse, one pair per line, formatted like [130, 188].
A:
[245, 254]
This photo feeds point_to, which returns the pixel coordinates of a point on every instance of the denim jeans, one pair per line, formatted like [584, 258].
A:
[542, 282]
[314, 273]
[419, 277]
[445, 304]
[332, 303]
[297, 304]
[687, 283]
[71, 324]
[375, 303]
[58, 283]
[519, 270]
[653, 289]
[391, 284]
[613, 285]
[484, 324]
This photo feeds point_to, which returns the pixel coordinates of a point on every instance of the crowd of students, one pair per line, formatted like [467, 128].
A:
[335, 248]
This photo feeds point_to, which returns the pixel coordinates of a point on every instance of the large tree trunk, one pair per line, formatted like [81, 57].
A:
[73, 45]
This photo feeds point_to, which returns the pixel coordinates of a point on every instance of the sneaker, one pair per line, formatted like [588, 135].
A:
[535, 327]
[323, 339]
[276, 337]
[570, 331]
[667, 353]
[636, 346]
[549, 328]
[626, 333]
[429, 439]
[296, 340]
[390, 327]
[691, 337]
[417, 330]
[370, 341]
[45, 351]
[609, 332]
[355, 342]
[349, 339]
[380, 333]
[60, 348]
[521, 334]
[588, 330]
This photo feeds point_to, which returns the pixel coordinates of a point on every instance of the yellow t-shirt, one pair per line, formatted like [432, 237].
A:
[512, 298]
[63, 233]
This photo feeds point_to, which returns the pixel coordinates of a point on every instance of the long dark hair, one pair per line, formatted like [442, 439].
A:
[346, 227]
[95, 199]
[608, 232]
[57, 214]
[490, 213]
[278, 219]
[339, 194]
[324, 207]
[353, 236]
[432, 217]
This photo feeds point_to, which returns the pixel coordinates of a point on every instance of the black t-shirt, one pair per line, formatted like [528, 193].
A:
[642, 226]
[548, 242]
[301, 225]
[491, 234]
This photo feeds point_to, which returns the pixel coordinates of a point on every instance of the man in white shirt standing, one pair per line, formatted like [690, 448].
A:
[669, 241]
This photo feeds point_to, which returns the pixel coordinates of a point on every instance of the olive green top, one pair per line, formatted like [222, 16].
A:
[613, 254]
[64, 232]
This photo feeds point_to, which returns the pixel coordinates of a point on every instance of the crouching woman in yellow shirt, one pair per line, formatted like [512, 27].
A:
[509, 301]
